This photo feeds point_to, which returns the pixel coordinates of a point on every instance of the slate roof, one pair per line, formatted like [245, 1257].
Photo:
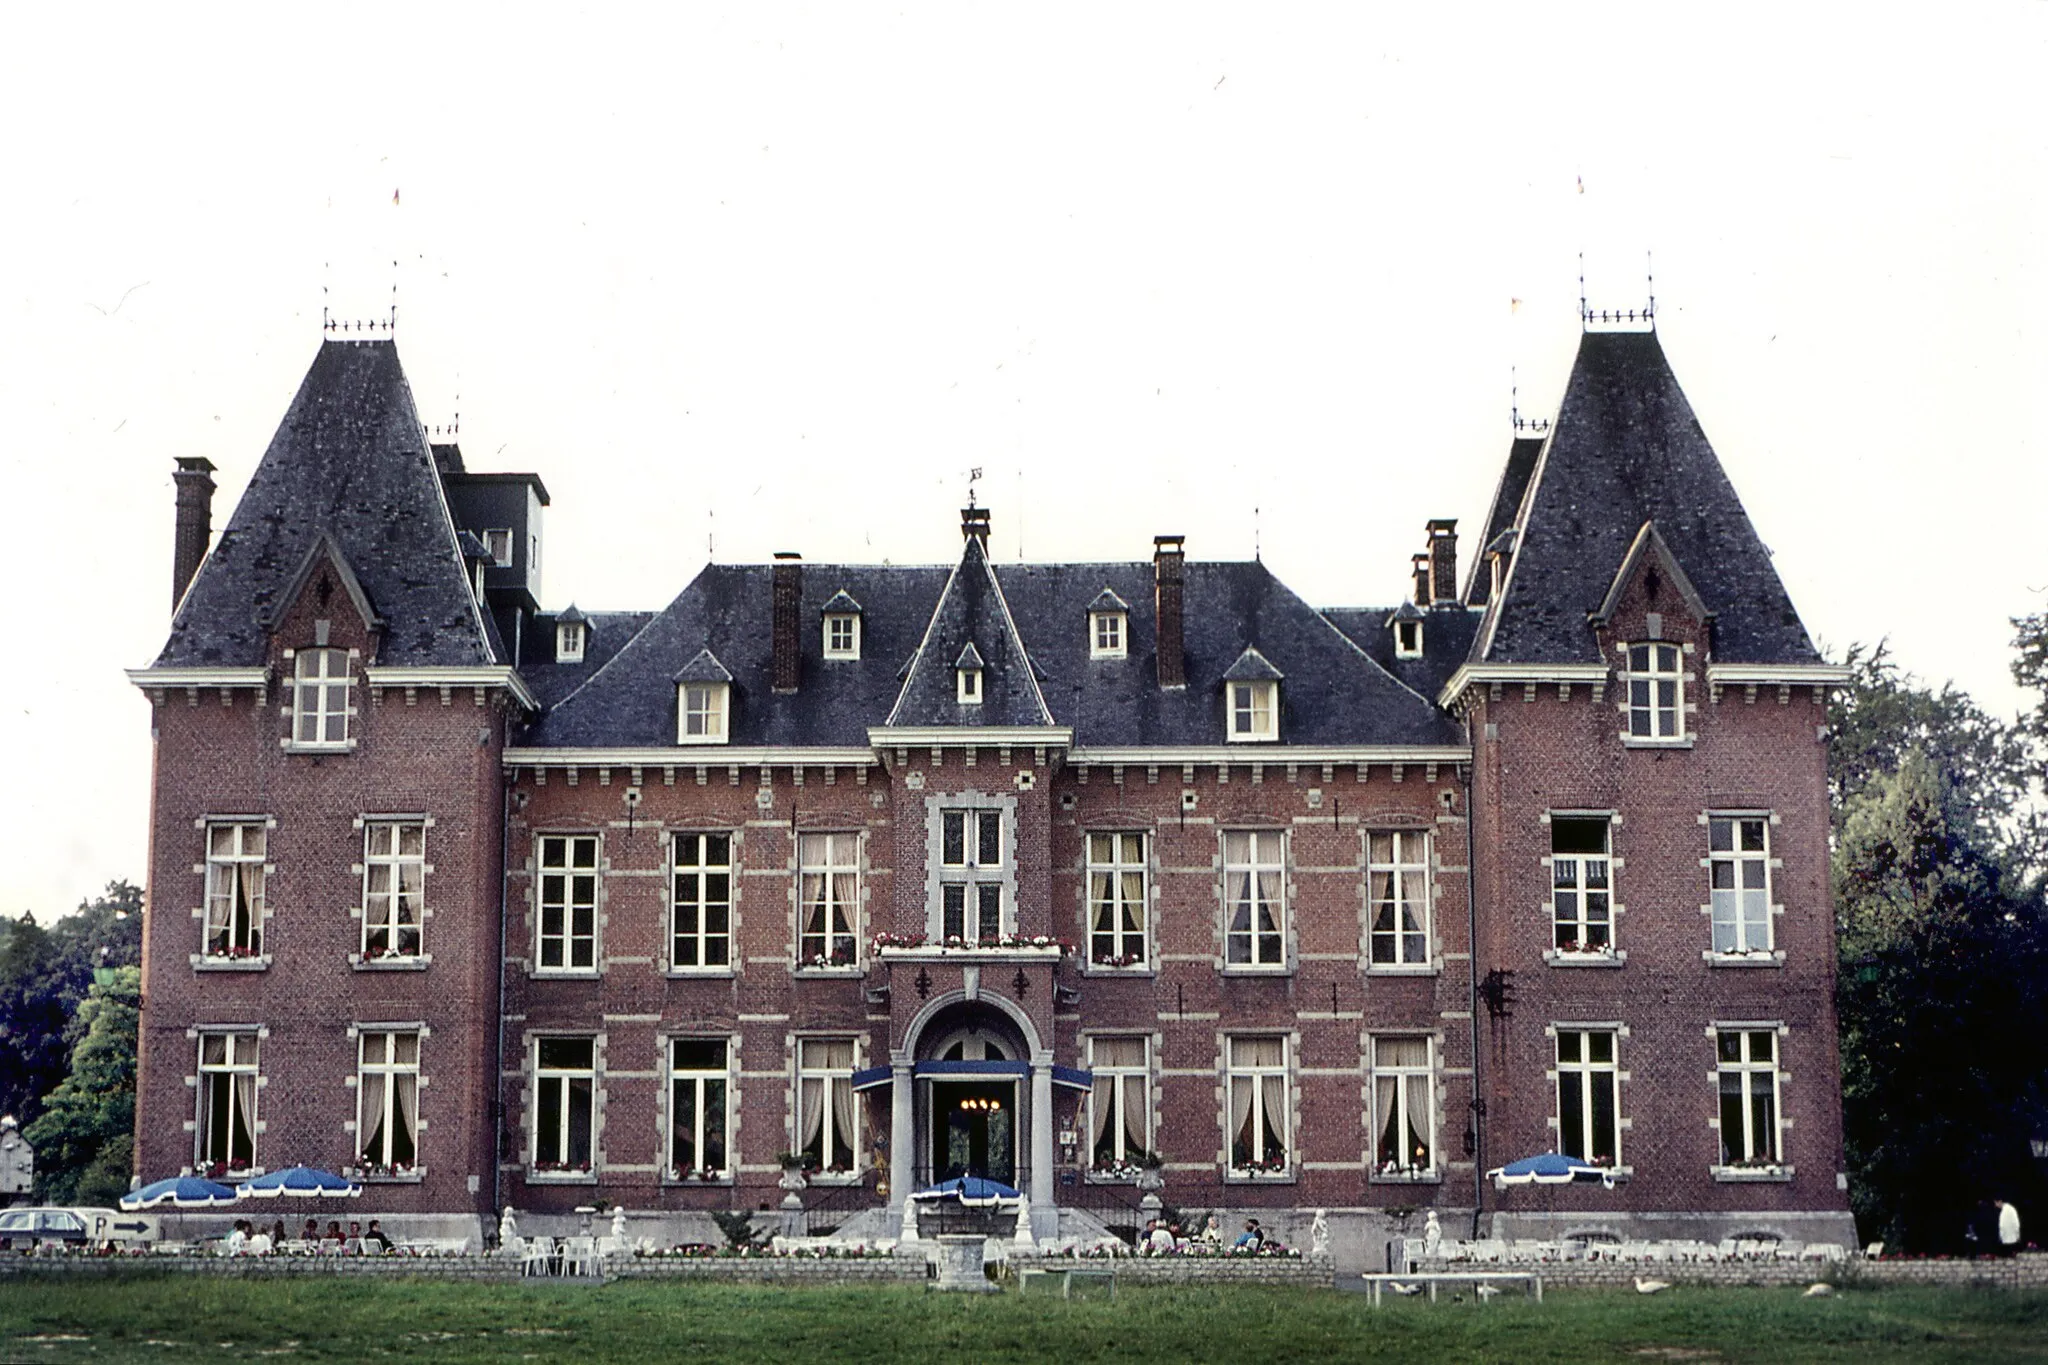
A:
[1335, 693]
[1447, 633]
[1503, 514]
[971, 622]
[349, 460]
[1626, 449]
[605, 634]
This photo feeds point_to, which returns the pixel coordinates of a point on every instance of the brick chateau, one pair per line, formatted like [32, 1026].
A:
[1045, 872]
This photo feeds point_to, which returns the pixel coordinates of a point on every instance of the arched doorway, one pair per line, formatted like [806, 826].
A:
[972, 1062]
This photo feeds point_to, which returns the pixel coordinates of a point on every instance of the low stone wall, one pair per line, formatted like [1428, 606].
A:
[1305, 1272]
[773, 1269]
[730, 1269]
[2020, 1272]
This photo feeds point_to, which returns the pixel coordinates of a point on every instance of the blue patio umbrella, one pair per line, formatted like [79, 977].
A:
[305, 1182]
[971, 1190]
[1550, 1169]
[184, 1191]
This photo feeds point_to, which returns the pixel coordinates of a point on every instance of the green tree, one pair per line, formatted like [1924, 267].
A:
[1944, 971]
[44, 976]
[84, 1139]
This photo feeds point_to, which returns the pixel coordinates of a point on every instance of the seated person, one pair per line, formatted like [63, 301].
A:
[1253, 1235]
[311, 1234]
[375, 1241]
[236, 1243]
[1212, 1231]
[1158, 1241]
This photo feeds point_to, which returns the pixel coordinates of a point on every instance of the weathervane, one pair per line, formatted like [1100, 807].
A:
[973, 477]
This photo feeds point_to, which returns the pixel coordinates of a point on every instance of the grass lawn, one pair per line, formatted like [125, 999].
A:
[172, 1319]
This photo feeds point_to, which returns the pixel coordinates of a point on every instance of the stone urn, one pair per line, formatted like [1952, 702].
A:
[1151, 1180]
[962, 1261]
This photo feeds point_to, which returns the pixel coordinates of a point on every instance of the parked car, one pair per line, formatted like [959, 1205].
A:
[26, 1229]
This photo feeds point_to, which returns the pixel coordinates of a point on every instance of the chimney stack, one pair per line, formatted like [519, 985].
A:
[1169, 564]
[194, 482]
[786, 630]
[1419, 567]
[974, 525]
[1443, 561]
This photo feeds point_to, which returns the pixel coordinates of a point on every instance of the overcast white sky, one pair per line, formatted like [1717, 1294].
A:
[781, 275]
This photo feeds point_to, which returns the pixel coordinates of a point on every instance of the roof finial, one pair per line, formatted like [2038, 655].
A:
[973, 477]
[1650, 286]
[1256, 556]
[1582, 293]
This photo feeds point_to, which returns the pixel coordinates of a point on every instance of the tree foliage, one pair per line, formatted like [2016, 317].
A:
[84, 1140]
[44, 977]
[1944, 956]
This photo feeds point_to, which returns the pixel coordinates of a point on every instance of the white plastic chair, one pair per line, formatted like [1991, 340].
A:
[579, 1256]
[534, 1255]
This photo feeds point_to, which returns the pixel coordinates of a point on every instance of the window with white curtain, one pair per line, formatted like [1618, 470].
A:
[1256, 1072]
[1404, 1102]
[827, 1124]
[388, 1101]
[830, 906]
[1397, 880]
[1120, 1105]
[227, 1102]
[1739, 855]
[394, 887]
[1116, 900]
[1254, 898]
[235, 851]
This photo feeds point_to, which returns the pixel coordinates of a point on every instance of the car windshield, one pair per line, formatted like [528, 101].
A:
[14, 1222]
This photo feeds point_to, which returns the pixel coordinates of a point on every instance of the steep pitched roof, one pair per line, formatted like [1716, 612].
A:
[1335, 693]
[1447, 633]
[1502, 515]
[1626, 449]
[971, 620]
[350, 462]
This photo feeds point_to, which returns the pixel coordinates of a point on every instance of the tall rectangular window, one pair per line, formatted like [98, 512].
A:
[1397, 880]
[1748, 1074]
[394, 888]
[1120, 1105]
[566, 900]
[1116, 899]
[227, 1102]
[1404, 1106]
[1254, 710]
[1656, 692]
[1254, 898]
[1588, 1096]
[829, 908]
[701, 903]
[1581, 894]
[971, 876]
[1256, 1085]
[234, 888]
[564, 1103]
[388, 1101]
[827, 1123]
[699, 1121]
[320, 687]
[1739, 860]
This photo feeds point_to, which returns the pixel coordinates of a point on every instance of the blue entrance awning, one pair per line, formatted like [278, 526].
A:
[994, 1068]
[1073, 1077]
[872, 1077]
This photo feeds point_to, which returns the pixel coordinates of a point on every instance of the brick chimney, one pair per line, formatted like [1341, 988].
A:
[1419, 568]
[1169, 567]
[194, 482]
[786, 630]
[1443, 561]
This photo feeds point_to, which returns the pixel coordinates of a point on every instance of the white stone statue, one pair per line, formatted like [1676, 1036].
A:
[508, 1233]
[1319, 1234]
[1432, 1236]
[909, 1221]
[1023, 1239]
[619, 1228]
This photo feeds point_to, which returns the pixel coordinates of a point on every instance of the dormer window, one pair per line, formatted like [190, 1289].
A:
[1408, 639]
[1251, 689]
[1254, 710]
[842, 627]
[570, 635]
[967, 677]
[1108, 627]
[703, 701]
